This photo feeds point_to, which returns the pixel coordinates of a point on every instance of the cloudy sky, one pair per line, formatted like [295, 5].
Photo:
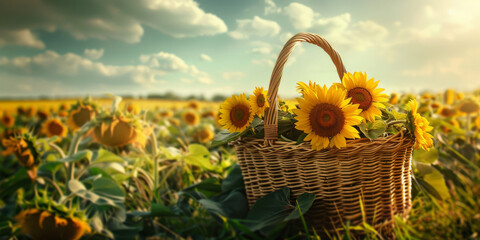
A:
[61, 48]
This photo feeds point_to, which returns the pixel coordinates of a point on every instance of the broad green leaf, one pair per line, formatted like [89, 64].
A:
[234, 180]
[160, 210]
[433, 177]
[423, 156]
[203, 189]
[83, 154]
[199, 155]
[108, 188]
[233, 205]
[76, 186]
[304, 201]
[224, 137]
[399, 115]
[107, 156]
[171, 152]
[373, 130]
[276, 208]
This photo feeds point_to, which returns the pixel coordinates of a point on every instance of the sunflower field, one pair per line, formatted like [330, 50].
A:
[137, 169]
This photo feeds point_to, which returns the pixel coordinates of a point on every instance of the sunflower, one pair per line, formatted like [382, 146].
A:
[477, 122]
[54, 127]
[468, 106]
[79, 116]
[449, 96]
[393, 99]
[194, 105]
[118, 131]
[259, 101]
[452, 122]
[166, 113]
[42, 114]
[190, 117]
[302, 87]
[7, 120]
[174, 122]
[327, 117]
[133, 108]
[446, 111]
[435, 105]
[63, 113]
[236, 113]
[209, 114]
[23, 150]
[204, 134]
[421, 128]
[41, 224]
[365, 93]
[459, 96]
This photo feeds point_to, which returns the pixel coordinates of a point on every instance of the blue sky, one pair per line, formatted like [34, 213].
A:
[61, 48]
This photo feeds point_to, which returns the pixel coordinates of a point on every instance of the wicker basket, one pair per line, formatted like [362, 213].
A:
[378, 172]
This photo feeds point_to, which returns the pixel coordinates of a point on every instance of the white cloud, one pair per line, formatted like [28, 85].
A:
[255, 27]
[338, 30]
[93, 54]
[172, 63]
[205, 57]
[233, 75]
[263, 62]
[20, 37]
[110, 19]
[271, 7]
[263, 48]
[72, 71]
[301, 16]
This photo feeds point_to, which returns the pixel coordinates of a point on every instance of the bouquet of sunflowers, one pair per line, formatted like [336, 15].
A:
[326, 116]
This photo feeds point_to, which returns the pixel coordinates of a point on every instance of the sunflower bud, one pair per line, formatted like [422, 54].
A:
[119, 131]
[23, 150]
[79, 116]
[41, 224]
[8, 120]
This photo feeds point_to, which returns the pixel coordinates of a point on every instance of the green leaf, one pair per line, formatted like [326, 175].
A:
[224, 137]
[301, 138]
[399, 115]
[275, 208]
[203, 189]
[160, 210]
[423, 156]
[199, 155]
[231, 205]
[107, 156]
[83, 154]
[104, 192]
[430, 175]
[305, 201]
[373, 130]
[171, 152]
[234, 180]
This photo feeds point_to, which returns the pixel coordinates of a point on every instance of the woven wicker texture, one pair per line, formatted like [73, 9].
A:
[378, 171]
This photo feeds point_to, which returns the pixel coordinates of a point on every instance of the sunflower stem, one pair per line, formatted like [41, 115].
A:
[395, 122]
[467, 128]
[155, 162]
[58, 149]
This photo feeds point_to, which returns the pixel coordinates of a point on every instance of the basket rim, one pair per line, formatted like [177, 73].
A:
[352, 144]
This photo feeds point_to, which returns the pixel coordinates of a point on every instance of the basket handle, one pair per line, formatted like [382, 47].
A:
[271, 115]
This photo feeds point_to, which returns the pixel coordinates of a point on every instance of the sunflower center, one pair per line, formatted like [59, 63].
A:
[361, 96]
[82, 116]
[261, 100]
[55, 128]
[326, 120]
[190, 118]
[239, 115]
